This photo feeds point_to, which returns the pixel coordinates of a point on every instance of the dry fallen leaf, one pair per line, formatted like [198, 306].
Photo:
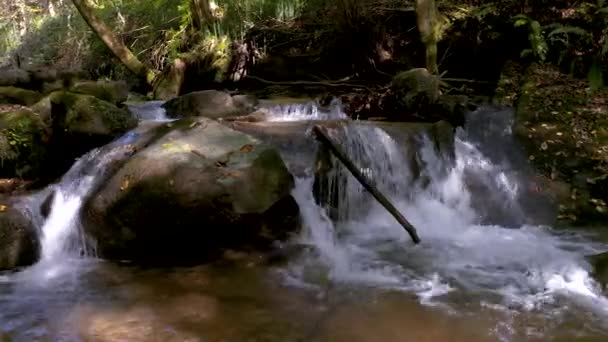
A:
[3, 208]
[246, 148]
[124, 185]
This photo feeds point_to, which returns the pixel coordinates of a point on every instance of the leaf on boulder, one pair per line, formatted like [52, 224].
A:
[246, 148]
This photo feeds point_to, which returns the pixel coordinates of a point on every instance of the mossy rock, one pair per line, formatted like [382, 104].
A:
[19, 244]
[14, 95]
[23, 143]
[115, 92]
[80, 123]
[210, 104]
[415, 88]
[86, 114]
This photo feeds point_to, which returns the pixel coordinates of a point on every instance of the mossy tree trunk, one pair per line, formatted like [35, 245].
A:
[201, 14]
[426, 17]
[113, 43]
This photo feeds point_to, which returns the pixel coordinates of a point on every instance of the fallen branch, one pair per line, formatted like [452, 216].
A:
[464, 80]
[383, 200]
[310, 83]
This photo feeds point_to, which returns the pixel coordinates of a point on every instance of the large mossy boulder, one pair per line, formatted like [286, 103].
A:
[200, 188]
[19, 244]
[210, 104]
[81, 123]
[19, 96]
[23, 143]
[115, 92]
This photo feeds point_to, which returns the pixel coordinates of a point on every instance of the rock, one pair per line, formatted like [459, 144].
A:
[14, 95]
[209, 103]
[87, 115]
[115, 92]
[599, 262]
[13, 77]
[81, 123]
[200, 188]
[47, 205]
[23, 143]
[19, 244]
[415, 88]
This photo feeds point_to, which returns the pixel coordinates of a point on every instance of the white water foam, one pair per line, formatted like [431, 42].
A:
[150, 110]
[305, 111]
[526, 267]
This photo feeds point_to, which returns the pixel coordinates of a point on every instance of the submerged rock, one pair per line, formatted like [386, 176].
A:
[211, 104]
[200, 188]
[19, 244]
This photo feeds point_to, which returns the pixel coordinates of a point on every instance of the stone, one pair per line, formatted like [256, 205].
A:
[14, 95]
[79, 124]
[415, 88]
[23, 143]
[200, 188]
[13, 77]
[19, 244]
[211, 104]
[115, 92]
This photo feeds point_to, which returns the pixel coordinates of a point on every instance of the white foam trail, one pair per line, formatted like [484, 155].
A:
[305, 111]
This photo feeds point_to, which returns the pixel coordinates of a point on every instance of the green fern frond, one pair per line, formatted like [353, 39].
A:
[569, 30]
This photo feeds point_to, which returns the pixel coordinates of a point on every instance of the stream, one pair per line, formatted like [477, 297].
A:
[485, 270]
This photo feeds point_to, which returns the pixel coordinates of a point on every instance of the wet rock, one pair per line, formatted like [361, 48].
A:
[209, 103]
[415, 88]
[14, 95]
[23, 143]
[47, 205]
[115, 92]
[200, 188]
[599, 262]
[19, 245]
[13, 77]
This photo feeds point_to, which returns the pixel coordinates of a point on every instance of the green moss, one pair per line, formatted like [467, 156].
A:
[22, 143]
[14, 95]
[88, 114]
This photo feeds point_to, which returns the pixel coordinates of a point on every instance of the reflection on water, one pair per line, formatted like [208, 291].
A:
[245, 301]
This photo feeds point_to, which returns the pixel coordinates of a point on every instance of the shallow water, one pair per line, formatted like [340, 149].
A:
[483, 272]
[248, 301]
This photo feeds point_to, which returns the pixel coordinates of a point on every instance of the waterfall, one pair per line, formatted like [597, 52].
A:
[61, 232]
[471, 244]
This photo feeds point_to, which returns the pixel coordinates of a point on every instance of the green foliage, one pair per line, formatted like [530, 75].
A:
[579, 46]
[538, 44]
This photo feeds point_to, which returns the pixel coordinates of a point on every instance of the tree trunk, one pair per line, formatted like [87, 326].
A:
[426, 17]
[117, 47]
[201, 14]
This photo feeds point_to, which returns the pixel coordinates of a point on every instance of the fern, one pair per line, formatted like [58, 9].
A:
[569, 30]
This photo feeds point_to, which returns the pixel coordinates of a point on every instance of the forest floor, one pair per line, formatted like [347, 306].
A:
[564, 128]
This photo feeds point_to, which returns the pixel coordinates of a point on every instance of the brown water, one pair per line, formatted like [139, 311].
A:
[246, 301]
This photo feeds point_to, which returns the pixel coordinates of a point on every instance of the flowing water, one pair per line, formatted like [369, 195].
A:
[485, 270]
